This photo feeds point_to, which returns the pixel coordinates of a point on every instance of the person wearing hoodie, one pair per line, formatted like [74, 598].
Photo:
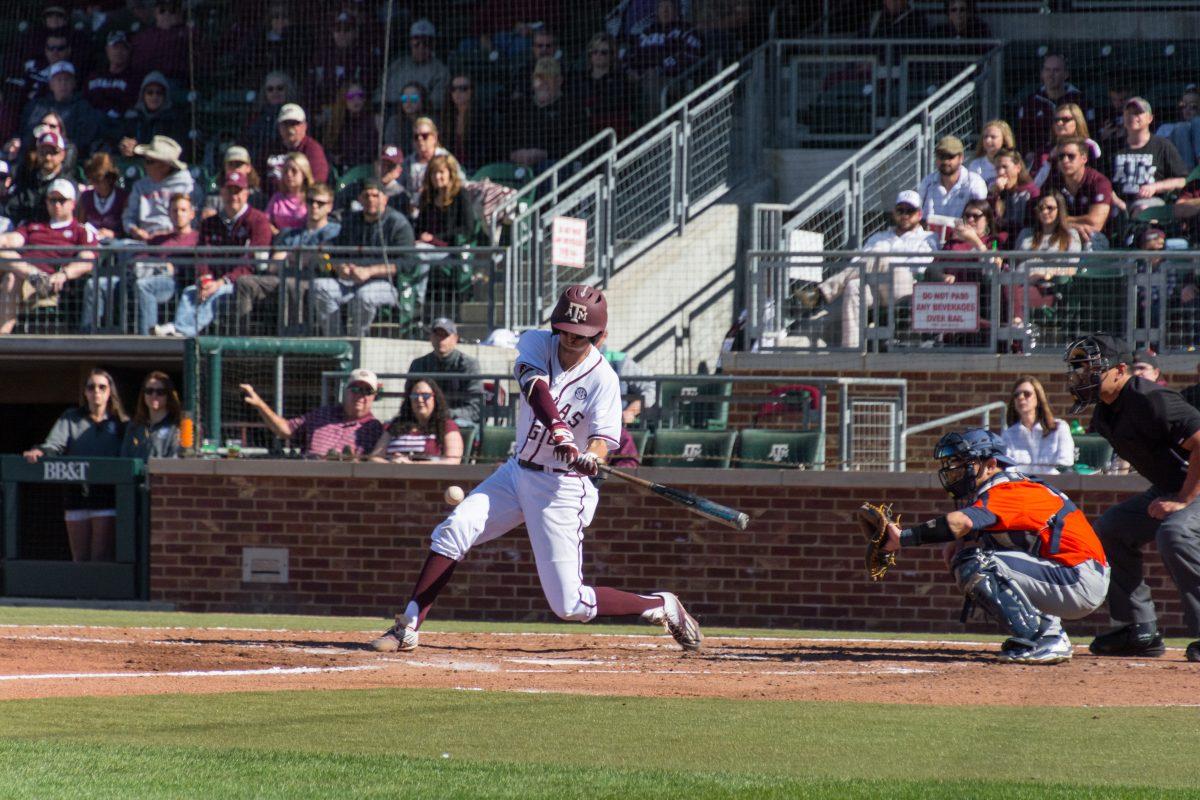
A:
[148, 212]
[152, 115]
[82, 121]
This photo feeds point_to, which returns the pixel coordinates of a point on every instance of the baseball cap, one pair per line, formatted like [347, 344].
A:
[949, 144]
[1140, 103]
[392, 154]
[422, 28]
[117, 37]
[237, 153]
[444, 324]
[908, 198]
[60, 67]
[291, 112]
[54, 8]
[63, 187]
[53, 138]
[365, 376]
[1145, 357]
[235, 179]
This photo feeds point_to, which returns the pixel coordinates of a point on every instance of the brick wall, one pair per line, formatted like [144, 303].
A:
[357, 534]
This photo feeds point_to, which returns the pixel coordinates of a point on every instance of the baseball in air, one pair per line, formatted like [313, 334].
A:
[454, 495]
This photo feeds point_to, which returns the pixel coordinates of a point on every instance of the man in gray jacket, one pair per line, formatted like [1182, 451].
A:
[463, 395]
[148, 212]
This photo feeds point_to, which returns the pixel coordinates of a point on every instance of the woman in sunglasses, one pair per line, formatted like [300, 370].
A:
[1036, 442]
[96, 427]
[153, 115]
[1068, 122]
[351, 137]
[422, 431]
[154, 430]
[414, 104]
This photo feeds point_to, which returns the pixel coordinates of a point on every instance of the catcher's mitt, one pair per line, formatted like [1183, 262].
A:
[873, 520]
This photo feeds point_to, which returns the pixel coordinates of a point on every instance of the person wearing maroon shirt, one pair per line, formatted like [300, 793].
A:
[292, 124]
[102, 205]
[41, 281]
[114, 89]
[1087, 195]
[163, 47]
[236, 224]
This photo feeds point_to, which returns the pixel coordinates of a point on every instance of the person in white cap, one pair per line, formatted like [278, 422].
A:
[148, 212]
[38, 277]
[81, 120]
[292, 124]
[419, 66]
[844, 287]
[333, 430]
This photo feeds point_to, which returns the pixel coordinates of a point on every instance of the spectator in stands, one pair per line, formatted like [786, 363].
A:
[260, 134]
[147, 214]
[897, 19]
[1049, 233]
[5, 189]
[113, 89]
[542, 44]
[414, 104]
[1034, 439]
[1085, 195]
[447, 216]
[604, 89]
[27, 203]
[660, 52]
[390, 170]
[1112, 128]
[156, 276]
[636, 396]
[81, 120]
[102, 205]
[963, 22]
[1069, 123]
[286, 208]
[318, 229]
[22, 153]
[235, 225]
[945, 192]
[351, 136]
[907, 239]
[996, 136]
[36, 81]
[1011, 195]
[154, 430]
[152, 115]
[329, 431]
[1034, 131]
[727, 27]
[972, 233]
[426, 145]
[638, 15]
[1185, 133]
[96, 427]
[274, 44]
[165, 46]
[419, 66]
[54, 22]
[547, 127]
[467, 125]
[1146, 166]
[344, 58]
[293, 132]
[364, 287]
[1145, 366]
[237, 159]
[465, 394]
[423, 431]
[41, 282]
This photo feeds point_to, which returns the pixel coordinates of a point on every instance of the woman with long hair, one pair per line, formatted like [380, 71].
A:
[154, 430]
[96, 427]
[1011, 195]
[446, 216]
[286, 208]
[351, 136]
[1039, 443]
[422, 431]
[604, 89]
[1069, 121]
[1050, 232]
[414, 104]
[101, 205]
[996, 135]
[465, 126]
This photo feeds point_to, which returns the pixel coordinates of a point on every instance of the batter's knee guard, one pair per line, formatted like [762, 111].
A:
[981, 578]
[573, 604]
[451, 539]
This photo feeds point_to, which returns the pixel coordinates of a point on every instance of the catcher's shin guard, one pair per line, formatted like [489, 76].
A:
[981, 578]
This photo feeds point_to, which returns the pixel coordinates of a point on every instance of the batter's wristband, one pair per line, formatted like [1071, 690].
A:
[935, 531]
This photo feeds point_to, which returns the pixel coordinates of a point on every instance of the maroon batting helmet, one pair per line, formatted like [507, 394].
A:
[582, 310]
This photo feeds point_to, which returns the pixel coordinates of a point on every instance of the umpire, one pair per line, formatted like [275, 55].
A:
[1158, 433]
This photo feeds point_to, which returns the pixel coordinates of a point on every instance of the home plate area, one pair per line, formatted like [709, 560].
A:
[61, 661]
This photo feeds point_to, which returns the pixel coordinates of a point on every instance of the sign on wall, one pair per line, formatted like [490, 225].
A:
[568, 242]
[945, 308]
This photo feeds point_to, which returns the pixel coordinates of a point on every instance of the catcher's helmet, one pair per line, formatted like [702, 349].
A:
[959, 452]
[1087, 361]
[581, 310]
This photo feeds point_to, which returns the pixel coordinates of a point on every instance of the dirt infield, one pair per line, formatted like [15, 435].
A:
[74, 661]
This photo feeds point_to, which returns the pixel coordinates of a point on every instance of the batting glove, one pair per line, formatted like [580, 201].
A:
[588, 464]
[565, 449]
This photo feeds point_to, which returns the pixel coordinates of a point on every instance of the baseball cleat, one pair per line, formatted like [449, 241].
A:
[1141, 640]
[678, 622]
[401, 637]
[1050, 649]
[1193, 651]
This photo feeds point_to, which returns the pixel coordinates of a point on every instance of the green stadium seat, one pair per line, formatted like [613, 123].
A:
[1094, 452]
[684, 403]
[469, 433]
[511, 175]
[640, 439]
[354, 175]
[496, 443]
[691, 449]
[768, 449]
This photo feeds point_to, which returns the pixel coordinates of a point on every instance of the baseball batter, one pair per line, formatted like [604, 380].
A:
[569, 419]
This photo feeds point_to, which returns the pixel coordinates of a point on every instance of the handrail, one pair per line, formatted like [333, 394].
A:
[985, 412]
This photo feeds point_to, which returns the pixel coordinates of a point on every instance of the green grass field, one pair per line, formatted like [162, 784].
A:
[441, 743]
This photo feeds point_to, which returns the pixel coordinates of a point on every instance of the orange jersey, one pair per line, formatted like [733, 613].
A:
[1033, 508]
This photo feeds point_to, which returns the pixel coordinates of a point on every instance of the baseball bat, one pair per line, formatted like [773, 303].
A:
[697, 505]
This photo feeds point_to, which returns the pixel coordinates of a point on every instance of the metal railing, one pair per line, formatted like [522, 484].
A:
[852, 201]
[983, 412]
[998, 302]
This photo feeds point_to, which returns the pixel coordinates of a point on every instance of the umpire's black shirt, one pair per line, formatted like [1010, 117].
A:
[1146, 425]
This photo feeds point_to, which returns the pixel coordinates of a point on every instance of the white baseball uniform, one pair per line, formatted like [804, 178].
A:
[555, 502]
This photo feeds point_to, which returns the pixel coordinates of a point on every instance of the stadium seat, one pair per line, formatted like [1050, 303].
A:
[468, 436]
[1094, 452]
[767, 449]
[354, 175]
[511, 175]
[640, 440]
[691, 449]
[680, 405]
[497, 443]
[797, 403]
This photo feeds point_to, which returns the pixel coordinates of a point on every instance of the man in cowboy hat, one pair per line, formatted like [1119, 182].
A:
[148, 212]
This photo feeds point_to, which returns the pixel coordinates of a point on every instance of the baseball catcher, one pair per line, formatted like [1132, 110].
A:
[1026, 554]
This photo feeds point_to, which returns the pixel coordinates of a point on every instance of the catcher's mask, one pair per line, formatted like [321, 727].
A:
[1087, 360]
[959, 453]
